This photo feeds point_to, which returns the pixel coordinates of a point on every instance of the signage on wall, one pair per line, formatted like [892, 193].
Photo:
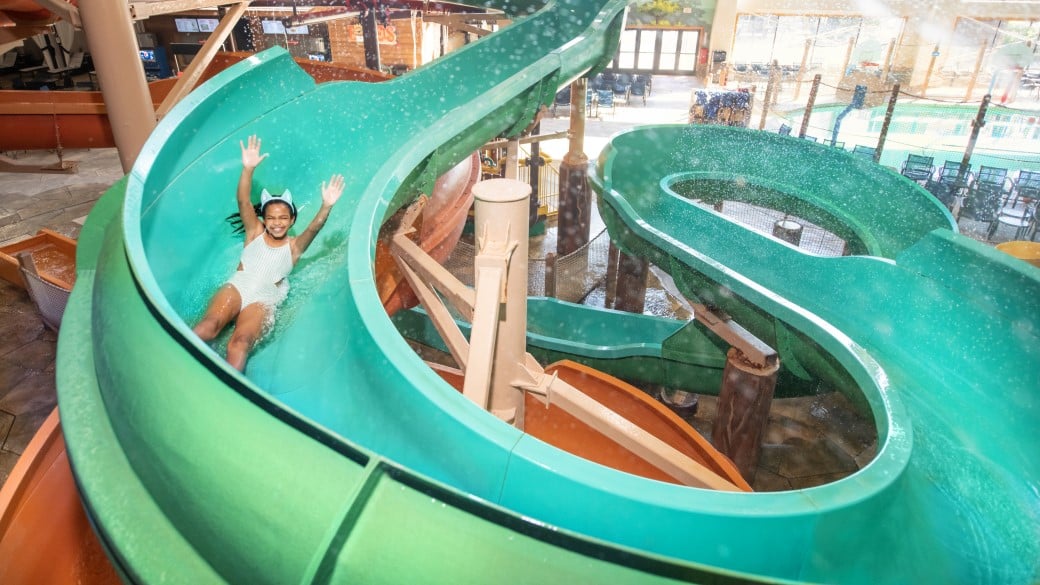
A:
[386, 35]
[277, 27]
[273, 27]
[186, 24]
[208, 24]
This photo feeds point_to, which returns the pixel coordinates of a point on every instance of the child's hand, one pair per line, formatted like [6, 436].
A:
[251, 156]
[331, 191]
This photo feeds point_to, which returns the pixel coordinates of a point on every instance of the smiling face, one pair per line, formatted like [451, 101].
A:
[278, 218]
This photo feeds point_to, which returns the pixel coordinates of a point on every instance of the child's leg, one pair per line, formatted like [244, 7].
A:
[222, 309]
[248, 328]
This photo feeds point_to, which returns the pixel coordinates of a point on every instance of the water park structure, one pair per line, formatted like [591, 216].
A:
[342, 457]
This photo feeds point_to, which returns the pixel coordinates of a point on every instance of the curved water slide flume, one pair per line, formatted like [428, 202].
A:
[940, 333]
[343, 458]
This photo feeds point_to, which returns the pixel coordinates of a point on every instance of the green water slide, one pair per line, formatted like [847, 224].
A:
[937, 333]
[341, 458]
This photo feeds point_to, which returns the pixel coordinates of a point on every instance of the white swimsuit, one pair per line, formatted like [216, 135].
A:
[262, 277]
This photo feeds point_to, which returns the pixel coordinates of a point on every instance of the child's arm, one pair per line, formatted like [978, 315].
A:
[251, 157]
[330, 193]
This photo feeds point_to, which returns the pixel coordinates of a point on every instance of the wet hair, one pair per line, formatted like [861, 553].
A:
[260, 208]
[235, 219]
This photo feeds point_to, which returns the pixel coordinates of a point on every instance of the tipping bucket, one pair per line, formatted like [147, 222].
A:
[1028, 251]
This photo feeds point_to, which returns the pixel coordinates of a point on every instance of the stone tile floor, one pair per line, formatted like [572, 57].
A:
[29, 202]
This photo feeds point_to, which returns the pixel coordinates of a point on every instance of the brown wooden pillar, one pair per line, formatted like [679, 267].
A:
[743, 410]
[630, 292]
[370, 35]
[113, 46]
[613, 253]
[575, 213]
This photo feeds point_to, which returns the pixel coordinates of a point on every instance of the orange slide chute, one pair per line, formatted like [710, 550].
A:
[45, 536]
[564, 431]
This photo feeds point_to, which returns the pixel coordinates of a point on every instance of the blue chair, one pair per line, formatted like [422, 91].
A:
[606, 99]
[949, 183]
[917, 167]
[639, 88]
[623, 87]
[864, 151]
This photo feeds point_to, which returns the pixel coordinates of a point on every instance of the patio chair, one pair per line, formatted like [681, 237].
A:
[917, 167]
[864, 151]
[949, 183]
[639, 88]
[1019, 209]
[1020, 215]
[623, 87]
[646, 79]
[994, 177]
[605, 98]
[982, 204]
[784, 130]
[1027, 185]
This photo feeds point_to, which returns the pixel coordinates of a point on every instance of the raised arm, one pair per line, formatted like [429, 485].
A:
[251, 157]
[330, 193]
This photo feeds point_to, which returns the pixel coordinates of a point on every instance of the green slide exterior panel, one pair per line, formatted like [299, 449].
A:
[339, 457]
[949, 327]
[638, 348]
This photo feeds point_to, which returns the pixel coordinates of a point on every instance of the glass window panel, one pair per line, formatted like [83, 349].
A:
[669, 41]
[646, 60]
[690, 41]
[667, 61]
[687, 62]
[753, 40]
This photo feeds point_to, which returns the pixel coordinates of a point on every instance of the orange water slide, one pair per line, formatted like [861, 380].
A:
[45, 536]
[564, 431]
[40, 120]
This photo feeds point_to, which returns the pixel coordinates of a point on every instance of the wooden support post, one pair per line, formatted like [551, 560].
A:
[770, 89]
[113, 46]
[809, 106]
[884, 125]
[801, 69]
[369, 32]
[976, 127]
[575, 213]
[886, 65]
[550, 275]
[975, 73]
[743, 410]
[631, 283]
[613, 254]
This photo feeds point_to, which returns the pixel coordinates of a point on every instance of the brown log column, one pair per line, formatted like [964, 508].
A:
[743, 410]
[575, 214]
[630, 292]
